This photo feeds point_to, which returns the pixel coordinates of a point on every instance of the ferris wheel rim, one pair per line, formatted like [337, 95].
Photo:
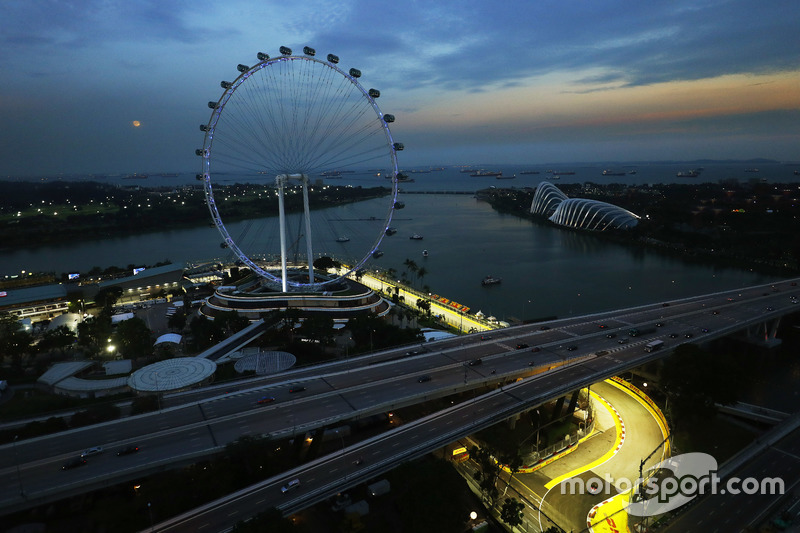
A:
[208, 150]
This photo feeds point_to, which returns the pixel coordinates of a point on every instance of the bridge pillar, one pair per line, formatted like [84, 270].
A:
[573, 402]
[764, 334]
[512, 422]
[558, 408]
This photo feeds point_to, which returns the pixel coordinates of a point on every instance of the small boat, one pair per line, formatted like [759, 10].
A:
[343, 239]
[491, 280]
[416, 237]
[689, 174]
[390, 231]
[377, 253]
[424, 253]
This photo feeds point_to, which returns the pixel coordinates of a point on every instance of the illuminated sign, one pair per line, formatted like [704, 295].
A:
[459, 451]
[137, 270]
[73, 276]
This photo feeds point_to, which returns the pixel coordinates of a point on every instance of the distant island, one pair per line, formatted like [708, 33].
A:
[36, 213]
[747, 225]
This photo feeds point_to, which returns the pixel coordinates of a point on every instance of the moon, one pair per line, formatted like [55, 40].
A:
[136, 123]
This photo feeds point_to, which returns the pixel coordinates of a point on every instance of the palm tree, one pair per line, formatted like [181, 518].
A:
[421, 273]
[410, 265]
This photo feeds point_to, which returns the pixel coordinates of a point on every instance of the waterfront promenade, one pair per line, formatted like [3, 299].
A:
[446, 313]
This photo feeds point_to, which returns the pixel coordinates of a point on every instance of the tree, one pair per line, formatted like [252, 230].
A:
[205, 332]
[318, 327]
[177, 321]
[514, 462]
[511, 512]
[231, 322]
[325, 263]
[487, 474]
[421, 272]
[106, 298]
[14, 340]
[133, 338]
[424, 305]
[94, 332]
[696, 380]
[56, 339]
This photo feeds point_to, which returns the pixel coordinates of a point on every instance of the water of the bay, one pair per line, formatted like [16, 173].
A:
[545, 271]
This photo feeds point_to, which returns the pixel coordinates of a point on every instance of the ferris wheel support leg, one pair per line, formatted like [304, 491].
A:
[307, 214]
[281, 182]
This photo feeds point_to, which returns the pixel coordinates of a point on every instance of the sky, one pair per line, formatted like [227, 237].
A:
[519, 81]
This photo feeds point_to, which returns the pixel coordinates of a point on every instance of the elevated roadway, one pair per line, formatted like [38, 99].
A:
[182, 434]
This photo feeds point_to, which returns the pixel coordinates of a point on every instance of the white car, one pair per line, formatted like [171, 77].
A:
[92, 451]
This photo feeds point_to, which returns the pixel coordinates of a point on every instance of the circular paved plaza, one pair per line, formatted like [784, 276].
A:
[172, 374]
[264, 362]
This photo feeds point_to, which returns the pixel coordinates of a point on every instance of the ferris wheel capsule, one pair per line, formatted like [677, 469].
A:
[307, 50]
[388, 118]
[333, 58]
[225, 84]
[285, 50]
[242, 68]
[213, 105]
[262, 56]
[374, 93]
[355, 72]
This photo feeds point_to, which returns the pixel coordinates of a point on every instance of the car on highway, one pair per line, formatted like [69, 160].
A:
[544, 328]
[688, 335]
[623, 340]
[521, 345]
[673, 335]
[416, 352]
[75, 462]
[475, 362]
[94, 450]
[423, 379]
[265, 400]
[572, 348]
[293, 484]
[610, 335]
[127, 450]
[705, 330]
[535, 349]
[486, 337]
[298, 388]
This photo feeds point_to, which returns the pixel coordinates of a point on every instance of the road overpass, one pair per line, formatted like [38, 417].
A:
[379, 382]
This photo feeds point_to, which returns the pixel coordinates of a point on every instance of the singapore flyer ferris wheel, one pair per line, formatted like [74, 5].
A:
[298, 155]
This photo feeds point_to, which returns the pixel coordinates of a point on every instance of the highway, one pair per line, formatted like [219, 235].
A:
[180, 434]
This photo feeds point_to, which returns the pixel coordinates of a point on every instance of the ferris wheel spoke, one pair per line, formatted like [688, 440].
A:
[301, 117]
